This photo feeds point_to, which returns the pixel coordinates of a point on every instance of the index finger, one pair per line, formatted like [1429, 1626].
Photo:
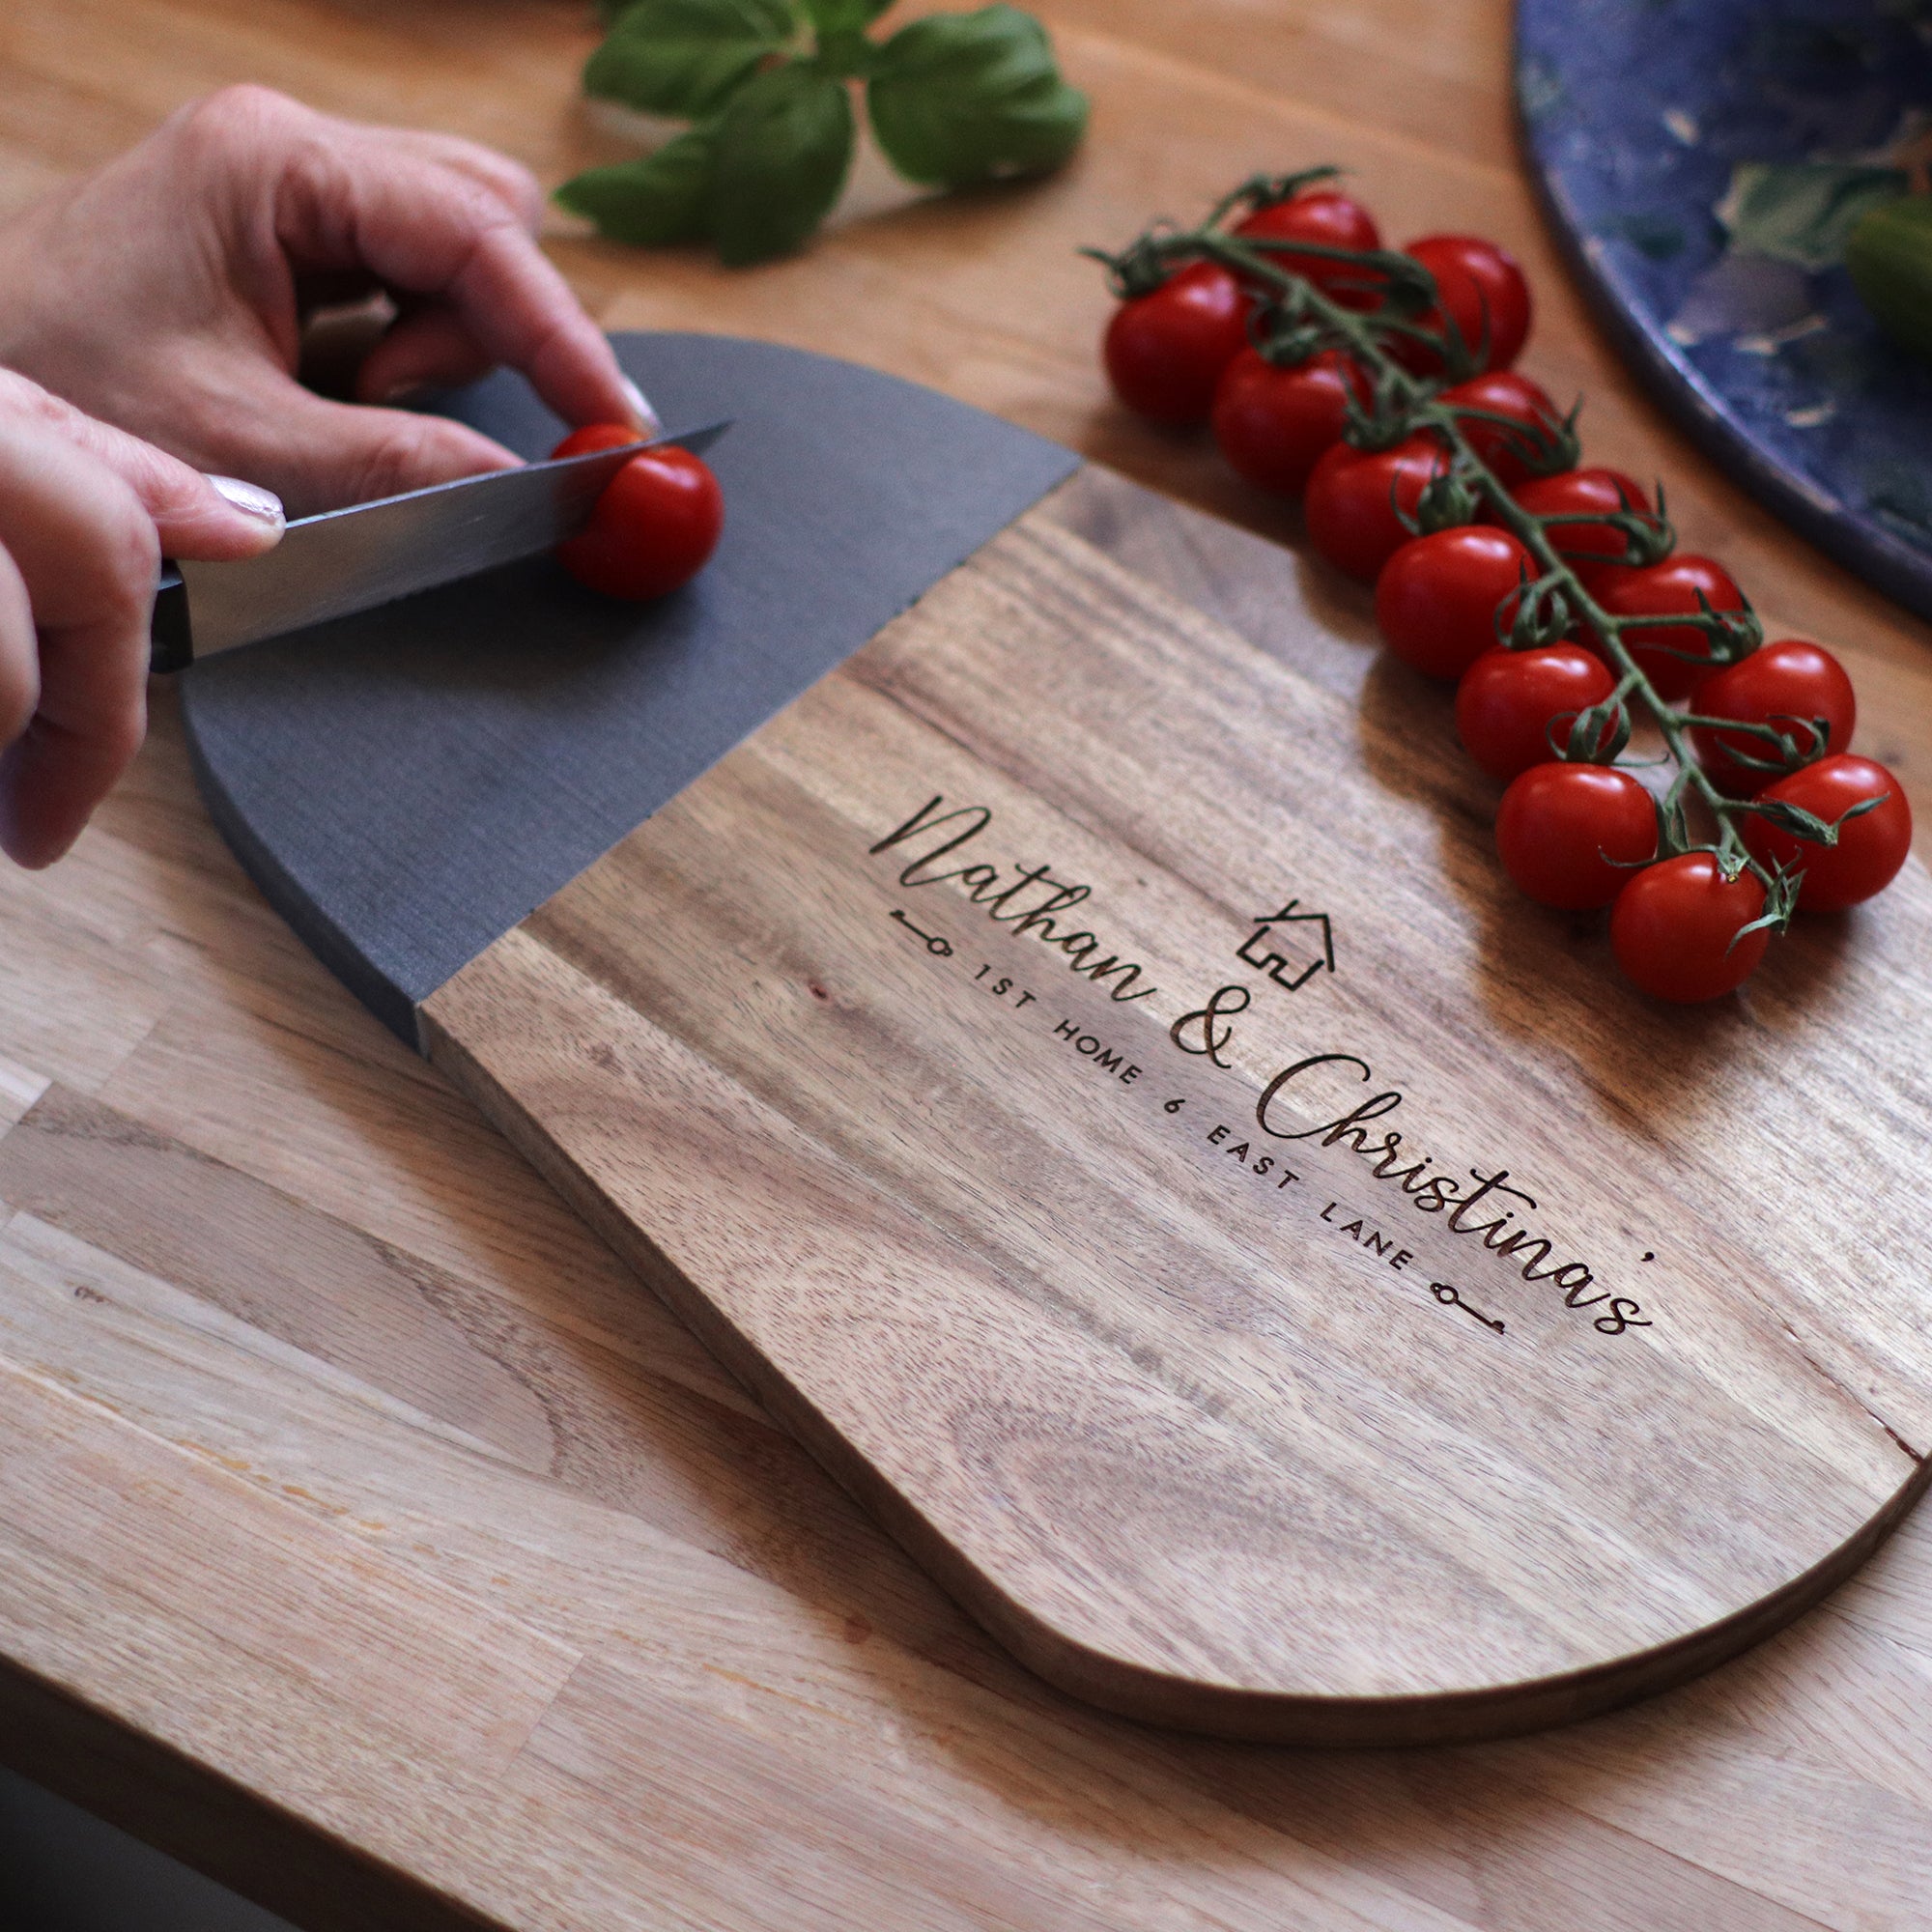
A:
[87, 553]
[423, 226]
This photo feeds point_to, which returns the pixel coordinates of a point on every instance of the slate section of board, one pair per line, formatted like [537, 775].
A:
[407, 786]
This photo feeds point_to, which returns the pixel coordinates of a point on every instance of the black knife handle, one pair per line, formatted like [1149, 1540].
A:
[170, 637]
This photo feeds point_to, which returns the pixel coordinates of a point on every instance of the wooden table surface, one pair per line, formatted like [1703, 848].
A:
[370, 1538]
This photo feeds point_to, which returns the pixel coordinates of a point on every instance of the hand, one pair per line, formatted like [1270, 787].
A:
[86, 512]
[166, 293]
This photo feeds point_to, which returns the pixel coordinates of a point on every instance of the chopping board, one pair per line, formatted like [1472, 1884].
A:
[1054, 1025]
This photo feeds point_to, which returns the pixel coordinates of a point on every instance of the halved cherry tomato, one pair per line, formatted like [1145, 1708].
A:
[1504, 392]
[1569, 834]
[1787, 685]
[1273, 424]
[1482, 290]
[1165, 352]
[1441, 598]
[655, 525]
[596, 436]
[1335, 221]
[1667, 589]
[1354, 495]
[1582, 493]
[1675, 930]
[1872, 847]
[1509, 701]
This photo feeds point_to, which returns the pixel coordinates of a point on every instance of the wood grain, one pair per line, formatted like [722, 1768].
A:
[769, 1684]
[1200, 1414]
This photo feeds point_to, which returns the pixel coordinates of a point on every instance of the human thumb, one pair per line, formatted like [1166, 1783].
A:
[213, 519]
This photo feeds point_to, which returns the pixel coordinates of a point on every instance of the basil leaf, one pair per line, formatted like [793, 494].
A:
[958, 97]
[784, 144]
[835, 19]
[684, 57]
[1802, 212]
[655, 200]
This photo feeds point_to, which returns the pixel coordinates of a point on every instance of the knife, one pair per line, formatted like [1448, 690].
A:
[370, 554]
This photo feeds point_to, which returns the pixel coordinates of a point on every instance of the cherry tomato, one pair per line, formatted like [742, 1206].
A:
[1570, 834]
[1441, 598]
[655, 525]
[1504, 392]
[1335, 221]
[1579, 493]
[1273, 424]
[1508, 702]
[596, 436]
[1675, 930]
[1165, 352]
[1481, 289]
[1352, 496]
[1787, 685]
[1872, 847]
[1637, 591]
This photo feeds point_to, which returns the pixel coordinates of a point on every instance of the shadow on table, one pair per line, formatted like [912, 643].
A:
[63, 1870]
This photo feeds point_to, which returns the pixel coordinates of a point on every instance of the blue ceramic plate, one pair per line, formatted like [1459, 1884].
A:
[1702, 160]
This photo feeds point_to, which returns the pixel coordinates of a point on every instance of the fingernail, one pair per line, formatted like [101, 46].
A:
[642, 414]
[252, 499]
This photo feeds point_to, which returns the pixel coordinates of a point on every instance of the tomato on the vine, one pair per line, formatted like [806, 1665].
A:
[1334, 222]
[1481, 290]
[1165, 352]
[1569, 834]
[1870, 849]
[1584, 492]
[1444, 599]
[1786, 685]
[1503, 392]
[1675, 927]
[1354, 495]
[1273, 424]
[1666, 589]
[655, 525]
[1508, 703]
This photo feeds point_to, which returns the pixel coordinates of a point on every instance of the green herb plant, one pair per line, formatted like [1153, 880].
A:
[768, 86]
[1295, 319]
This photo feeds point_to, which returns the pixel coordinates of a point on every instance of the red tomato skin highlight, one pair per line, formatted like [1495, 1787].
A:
[1482, 289]
[596, 436]
[1674, 924]
[1777, 684]
[1871, 848]
[1504, 392]
[1507, 702]
[1165, 352]
[1350, 519]
[653, 529]
[1332, 219]
[1669, 587]
[1437, 597]
[1586, 547]
[1569, 834]
[1273, 425]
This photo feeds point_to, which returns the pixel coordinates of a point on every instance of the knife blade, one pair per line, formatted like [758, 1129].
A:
[343, 561]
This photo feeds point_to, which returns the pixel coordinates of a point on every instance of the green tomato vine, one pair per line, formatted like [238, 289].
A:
[1298, 320]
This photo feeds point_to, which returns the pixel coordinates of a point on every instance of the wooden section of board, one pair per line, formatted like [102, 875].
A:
[256, 1246]
[1100, 1088]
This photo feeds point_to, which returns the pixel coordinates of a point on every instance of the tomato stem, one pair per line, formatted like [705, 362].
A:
[1413, 402]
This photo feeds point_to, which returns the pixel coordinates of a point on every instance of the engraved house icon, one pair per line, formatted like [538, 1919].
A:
[1291, 946]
